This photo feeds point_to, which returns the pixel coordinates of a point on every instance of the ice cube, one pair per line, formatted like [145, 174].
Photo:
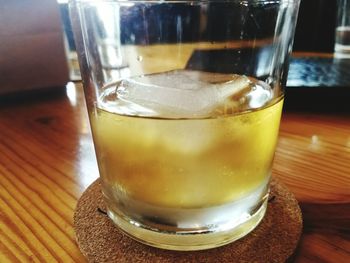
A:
[260, 95]
[180, 79]
[181, 93]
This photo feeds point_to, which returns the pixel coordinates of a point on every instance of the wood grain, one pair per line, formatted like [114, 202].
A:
[47, 160]
[43, 146]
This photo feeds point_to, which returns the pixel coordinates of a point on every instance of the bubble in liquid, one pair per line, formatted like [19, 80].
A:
[139, 58]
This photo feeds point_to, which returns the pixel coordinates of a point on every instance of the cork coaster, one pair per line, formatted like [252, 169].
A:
[274, 240]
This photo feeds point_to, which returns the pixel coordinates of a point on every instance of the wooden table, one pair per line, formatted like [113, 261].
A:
[47, 161]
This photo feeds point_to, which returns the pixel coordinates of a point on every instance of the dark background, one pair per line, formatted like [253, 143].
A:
[315, 26]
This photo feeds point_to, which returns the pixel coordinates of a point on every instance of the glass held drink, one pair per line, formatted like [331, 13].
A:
[184, 100]
[342, 30]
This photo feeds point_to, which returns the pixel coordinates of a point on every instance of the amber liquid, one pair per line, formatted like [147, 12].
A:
[186, 175]
[186, 164]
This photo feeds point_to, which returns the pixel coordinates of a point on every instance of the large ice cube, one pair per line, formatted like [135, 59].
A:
[260, 94]
[177, 79]
[185, 94]
[182, 94]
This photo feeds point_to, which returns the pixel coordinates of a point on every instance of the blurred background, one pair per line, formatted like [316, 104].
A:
[37, 48]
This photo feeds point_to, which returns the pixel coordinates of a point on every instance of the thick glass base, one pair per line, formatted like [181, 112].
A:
[190, 240]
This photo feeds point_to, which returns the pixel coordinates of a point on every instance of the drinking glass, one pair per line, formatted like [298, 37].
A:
[184, 100]
[342, 30]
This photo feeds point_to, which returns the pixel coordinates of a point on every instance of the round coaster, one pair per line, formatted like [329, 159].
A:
[274, 240]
